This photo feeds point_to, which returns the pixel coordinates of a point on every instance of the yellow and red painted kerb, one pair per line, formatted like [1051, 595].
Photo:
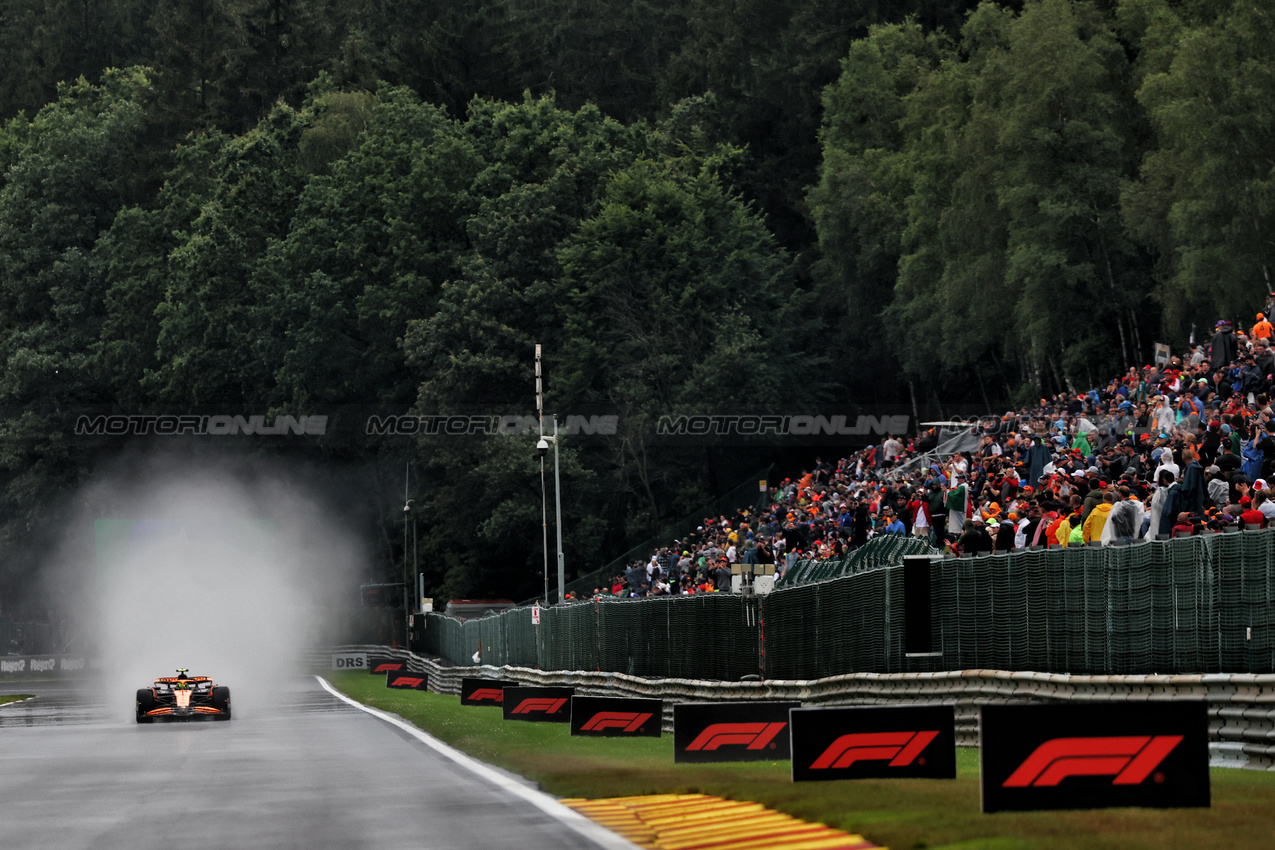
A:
[702, 822]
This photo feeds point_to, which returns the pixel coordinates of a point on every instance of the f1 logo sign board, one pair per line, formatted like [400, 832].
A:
[407, 681]
[381, 666]
[544, 705]
[474, 691]
[731, 731]
[616, 717]
[877, 742]
[1094, 756]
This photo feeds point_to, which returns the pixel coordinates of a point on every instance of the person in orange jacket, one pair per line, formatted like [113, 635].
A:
[1051, 533]
[1263, 329]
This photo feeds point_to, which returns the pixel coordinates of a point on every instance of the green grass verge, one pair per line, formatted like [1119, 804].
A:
[7, 698]
[900, 813]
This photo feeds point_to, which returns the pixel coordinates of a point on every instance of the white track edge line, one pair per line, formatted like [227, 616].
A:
[594, 832]
[16, 702]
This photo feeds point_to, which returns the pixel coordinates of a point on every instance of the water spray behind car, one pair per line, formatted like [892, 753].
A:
[219, 567]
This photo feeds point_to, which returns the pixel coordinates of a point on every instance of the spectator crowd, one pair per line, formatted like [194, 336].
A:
[1185, 447]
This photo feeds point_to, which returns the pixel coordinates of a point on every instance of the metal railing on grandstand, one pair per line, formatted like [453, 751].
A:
[1198, 605]
[878, 552]
[965, 438]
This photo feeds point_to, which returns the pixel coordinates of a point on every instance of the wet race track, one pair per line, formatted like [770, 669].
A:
[311, 771]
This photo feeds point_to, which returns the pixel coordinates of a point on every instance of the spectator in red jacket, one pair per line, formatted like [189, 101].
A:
[1251, 516]
[922, 520]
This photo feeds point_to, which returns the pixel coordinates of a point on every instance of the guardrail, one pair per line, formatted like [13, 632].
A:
[1241, 705]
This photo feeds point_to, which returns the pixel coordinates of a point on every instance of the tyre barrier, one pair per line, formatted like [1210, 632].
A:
[1241, 705]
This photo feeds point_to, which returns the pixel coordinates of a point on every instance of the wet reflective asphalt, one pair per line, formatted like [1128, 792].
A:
[305, 771]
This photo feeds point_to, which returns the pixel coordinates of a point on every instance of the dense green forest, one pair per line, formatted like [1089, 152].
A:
[275, 205]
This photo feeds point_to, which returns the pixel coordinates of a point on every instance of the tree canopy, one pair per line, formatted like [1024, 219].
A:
[276, 205]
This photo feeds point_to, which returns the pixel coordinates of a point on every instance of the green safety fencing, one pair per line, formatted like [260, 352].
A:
[508, 638]
[1197, 605]
[850, 624]
[704, 635]
[1200, 604]
[878, 552]
[22, 638]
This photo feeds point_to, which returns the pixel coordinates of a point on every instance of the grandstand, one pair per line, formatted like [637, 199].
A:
[1144, 604]
[1021, 479]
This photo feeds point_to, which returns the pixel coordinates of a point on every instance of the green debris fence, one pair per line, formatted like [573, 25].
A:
[701, 636]
[878, 552]
[1195, 605]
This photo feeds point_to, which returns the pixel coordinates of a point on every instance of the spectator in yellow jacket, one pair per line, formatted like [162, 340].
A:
[1098, 517]
[1070, 525]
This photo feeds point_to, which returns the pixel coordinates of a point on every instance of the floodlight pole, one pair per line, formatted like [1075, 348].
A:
[557, 503]
[544, 502]
[542, 447]
[407, 582]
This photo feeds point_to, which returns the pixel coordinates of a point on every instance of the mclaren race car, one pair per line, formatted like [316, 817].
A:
[183, 697]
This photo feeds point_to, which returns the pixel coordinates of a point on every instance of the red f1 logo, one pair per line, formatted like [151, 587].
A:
[901, 748]
[493, 694]
[548, 705]
[753, 736]
[407, 682]
[388, 666]
[1130, 759]
[627, 720]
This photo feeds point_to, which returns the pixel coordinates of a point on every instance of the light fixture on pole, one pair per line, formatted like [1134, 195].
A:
[542, 447]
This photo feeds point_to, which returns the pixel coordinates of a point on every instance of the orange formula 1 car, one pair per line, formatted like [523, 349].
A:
[183, 697]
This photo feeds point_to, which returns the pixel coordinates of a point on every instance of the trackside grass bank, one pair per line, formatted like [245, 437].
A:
[898, 813]
[7, 698]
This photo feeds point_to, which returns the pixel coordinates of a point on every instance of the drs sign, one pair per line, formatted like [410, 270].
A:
[349, 661]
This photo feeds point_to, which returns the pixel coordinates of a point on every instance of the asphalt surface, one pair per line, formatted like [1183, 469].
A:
[310, 772]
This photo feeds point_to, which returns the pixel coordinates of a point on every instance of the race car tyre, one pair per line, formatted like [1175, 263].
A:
[221, 701]
[145, 702]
